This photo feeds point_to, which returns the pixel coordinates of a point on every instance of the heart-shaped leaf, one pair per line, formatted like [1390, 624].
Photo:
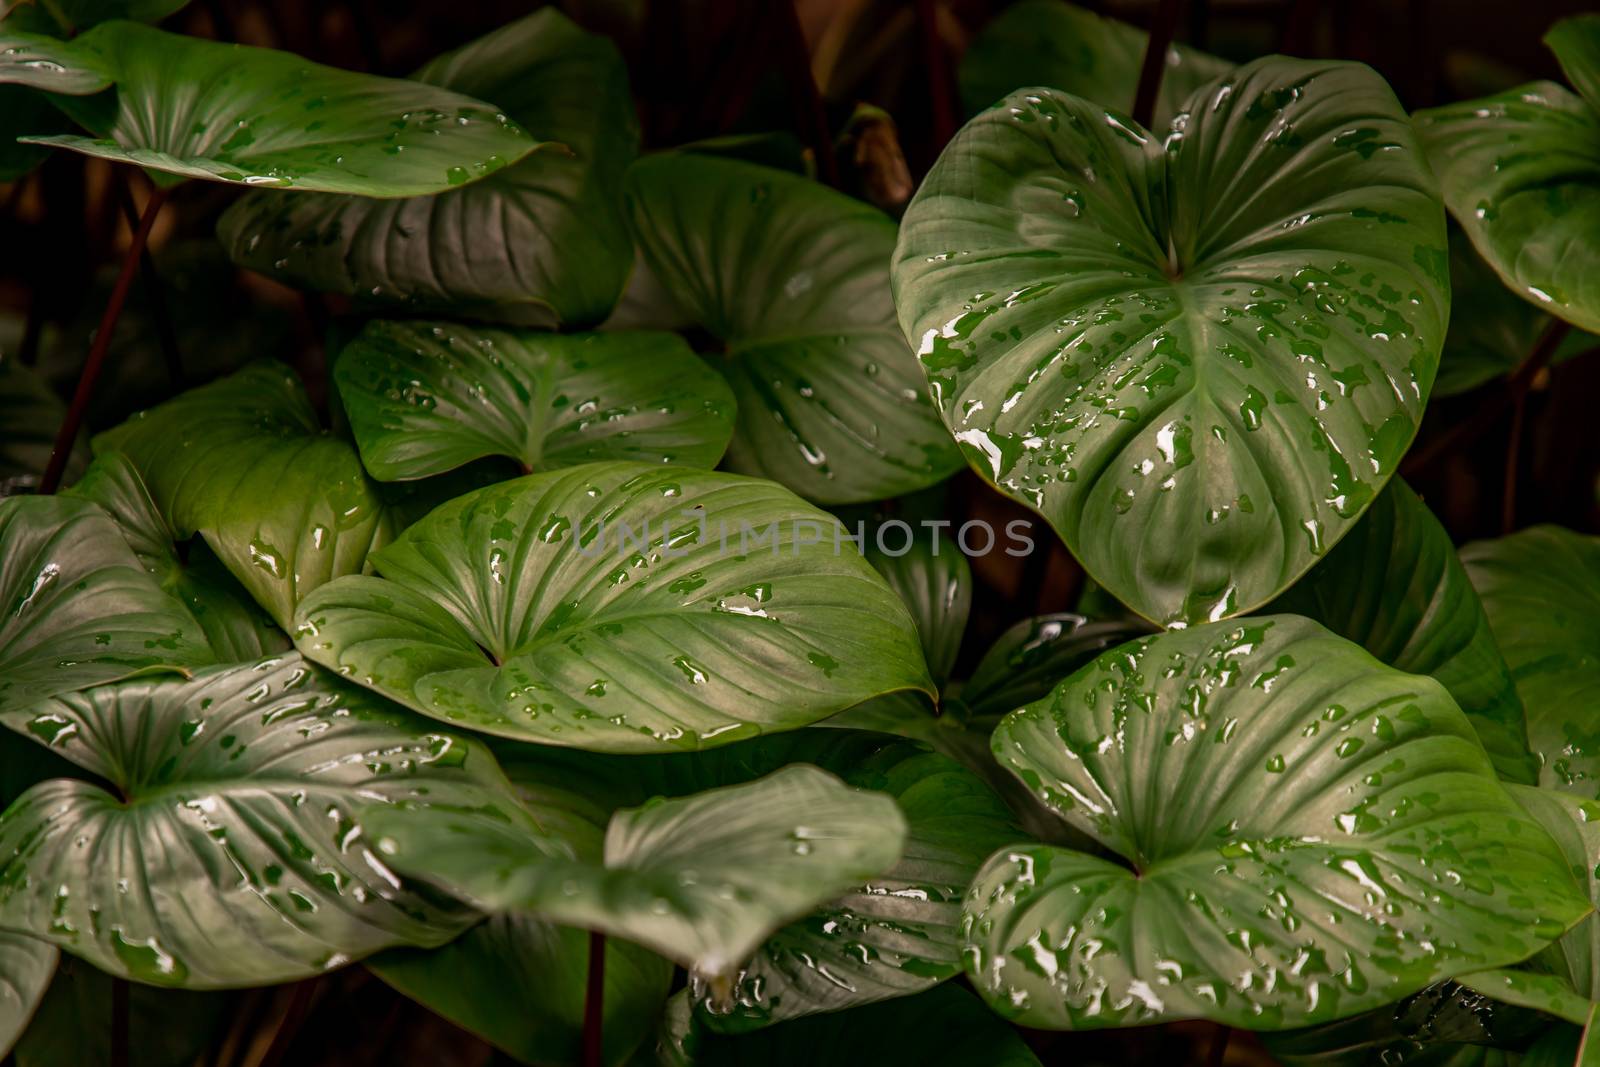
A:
[934, 580]
[502, 248]
[1199, 353]
[233, 856]
[791, 278]
[946, 1026]
[620, 607]
[1541, 591]
[1053, 43]
[244, 463]
[426, 397]
[1520, 172]
[701, 879]
[1395, 587]
[518, 982]
[271, 119]
[893, 935]
[76, 607]
[234, 625]
[1304, 834]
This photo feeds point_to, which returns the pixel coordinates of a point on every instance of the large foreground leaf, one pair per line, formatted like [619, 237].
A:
[1060, 45]
[701, 879]
[1396, 587]
[425, 397]
[1304, 834]
[232, 856]
[621, 607]
[540, 242]
[1541, 592]
[244, 463]
[26, 967]
[791, 278]
[1521, 174]
[234, 625]
[76, 607]
[252, 116]
[1199, 354]
[518, 981]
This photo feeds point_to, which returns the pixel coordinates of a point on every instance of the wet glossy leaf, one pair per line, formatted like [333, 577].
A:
[1062, 46]
[271, 119]
[702, 879]
[947, 1027]
[244, 463]
[426, 397]
[233, 856]
[1520, 172]
[1027, 660]
[1541, 591]
[620, 607]
[503, 248]
[234, 625]
[791, 278]
[1200, 353]
[31, 414]
[1304, 834]
[26, 966]
[1395, 587]
[1491, 331]
[518, 982]
[934, 580]
[76, 607]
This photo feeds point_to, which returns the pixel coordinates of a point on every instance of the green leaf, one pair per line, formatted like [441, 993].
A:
[1576, 43]
[934, 580]
[1491, 331]
[1200, 353]
[518, 982]
[703, 879]
[271, 119]
[1303, 834]
[31, 414]
[234, 626]
[1520, 172]
[504, 248]
[76, 607]
[1028, 659]
[1395, 587]
[620, 607]
[24, 111]
[26, 966]
[232, 856]
[894, 935]
[1541, 591]
[1429, 1028]
[791, 278]
[1056, 44]
[426, 397]
[947, 1027]
[244, 463]
[66, 17]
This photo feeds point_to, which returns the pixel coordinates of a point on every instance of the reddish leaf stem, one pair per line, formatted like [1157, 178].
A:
[1162, 30]
[809, 113]
[594, 1003]
[68, 434]
[937, 63]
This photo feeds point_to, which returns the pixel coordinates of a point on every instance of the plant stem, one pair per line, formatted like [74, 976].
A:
[289, 1026]
[68, 434]
[809, 113]
[1219, 1046]
[153, 294]
[594, 1002]
[1162, 31]
[1508, 499]
[119, 1022]
[1517, 385]
[937, 63]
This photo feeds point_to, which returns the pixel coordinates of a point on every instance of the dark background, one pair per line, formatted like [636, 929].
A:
[704, 68]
